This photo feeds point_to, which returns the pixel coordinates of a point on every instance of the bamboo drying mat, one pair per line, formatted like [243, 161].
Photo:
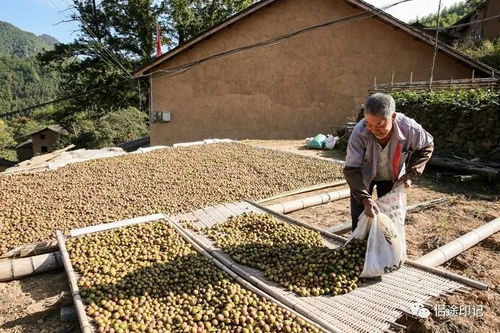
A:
[87, 325]
[372, 307]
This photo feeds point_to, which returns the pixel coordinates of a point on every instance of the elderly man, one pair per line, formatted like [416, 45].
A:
[377, 151]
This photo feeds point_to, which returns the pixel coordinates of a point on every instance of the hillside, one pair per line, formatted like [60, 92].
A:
[15, 41]
[51, 41]
[23, 82]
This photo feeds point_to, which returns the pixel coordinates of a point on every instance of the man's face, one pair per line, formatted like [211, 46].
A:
[380, 127]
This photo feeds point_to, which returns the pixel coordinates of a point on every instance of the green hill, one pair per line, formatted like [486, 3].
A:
[15, 41]
[23, 81]
[49, 40]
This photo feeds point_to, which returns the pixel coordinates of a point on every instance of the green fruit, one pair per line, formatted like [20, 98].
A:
[184, 292]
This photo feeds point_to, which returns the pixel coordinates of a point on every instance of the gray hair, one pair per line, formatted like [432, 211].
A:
[380, 105]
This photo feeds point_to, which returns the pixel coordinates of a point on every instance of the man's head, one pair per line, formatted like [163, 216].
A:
[380, 110]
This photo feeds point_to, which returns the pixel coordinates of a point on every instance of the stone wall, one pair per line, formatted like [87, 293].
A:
[463, 123]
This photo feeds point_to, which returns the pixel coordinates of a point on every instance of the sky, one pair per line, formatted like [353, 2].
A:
[45, 16]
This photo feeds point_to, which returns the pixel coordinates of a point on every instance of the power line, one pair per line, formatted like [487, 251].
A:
[97, 40]
[61, 99]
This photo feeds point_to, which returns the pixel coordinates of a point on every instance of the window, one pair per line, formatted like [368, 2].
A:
[42, 136]
[44, 149]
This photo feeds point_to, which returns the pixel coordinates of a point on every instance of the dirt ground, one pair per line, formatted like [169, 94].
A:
[298, 147]
[33, 304]
[470, 205]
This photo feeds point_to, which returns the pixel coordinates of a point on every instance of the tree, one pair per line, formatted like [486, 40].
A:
[7, 143]
[188, 18]
[22, 127]
[23, 83]
[450, 15]
[112, 129]
[115, 38]
[486, 51]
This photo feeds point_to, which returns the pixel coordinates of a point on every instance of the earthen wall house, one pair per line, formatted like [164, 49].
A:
[296, 88]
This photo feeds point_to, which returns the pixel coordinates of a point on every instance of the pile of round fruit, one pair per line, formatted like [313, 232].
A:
[146, 278]
[171, 180]
[290, 255]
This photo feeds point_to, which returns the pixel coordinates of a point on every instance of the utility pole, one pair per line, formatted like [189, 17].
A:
[435, 46]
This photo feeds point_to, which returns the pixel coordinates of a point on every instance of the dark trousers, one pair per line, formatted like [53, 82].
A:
[383, 187]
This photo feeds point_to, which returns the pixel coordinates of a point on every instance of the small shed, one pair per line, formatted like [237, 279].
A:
[45, 139]
[40, 142]
[24, 150]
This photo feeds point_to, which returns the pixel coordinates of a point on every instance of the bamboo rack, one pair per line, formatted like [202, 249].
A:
[86, 325]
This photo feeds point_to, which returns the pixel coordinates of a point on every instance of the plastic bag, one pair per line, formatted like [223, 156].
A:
[331, 141]
[317, 142]
[386, 245]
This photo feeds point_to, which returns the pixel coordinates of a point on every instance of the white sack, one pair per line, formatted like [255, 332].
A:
[386, 247]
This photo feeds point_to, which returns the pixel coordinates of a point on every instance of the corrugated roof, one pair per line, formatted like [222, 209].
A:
[383, 16]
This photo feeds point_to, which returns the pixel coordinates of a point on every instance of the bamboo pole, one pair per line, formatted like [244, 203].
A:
[14, 269]
[297, 222]
[451, 276]
[75, 292]
[114, 225]
[294, 205]
[304, 190]
[448, 251]
[31, 249]
[427, 268]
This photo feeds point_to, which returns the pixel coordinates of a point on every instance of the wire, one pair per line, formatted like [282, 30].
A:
[184, 67]
[60, 99]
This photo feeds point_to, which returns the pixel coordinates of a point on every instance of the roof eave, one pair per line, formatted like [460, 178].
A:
[388, 18]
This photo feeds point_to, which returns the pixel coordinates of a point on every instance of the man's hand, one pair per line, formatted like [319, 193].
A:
[371, 208]
[405, 179]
